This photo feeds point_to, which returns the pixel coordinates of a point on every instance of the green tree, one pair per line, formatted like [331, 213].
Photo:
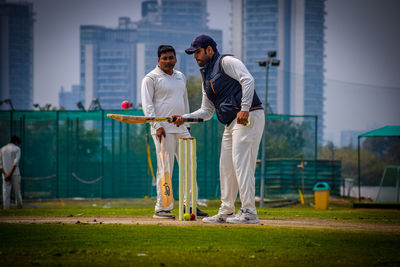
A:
[194, 92]
[371, 166]
[287, 138]
[386, 148]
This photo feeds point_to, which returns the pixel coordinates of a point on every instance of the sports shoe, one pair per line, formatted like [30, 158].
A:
[164, 214]
[199, 212]
[244, 217]
[219, 218]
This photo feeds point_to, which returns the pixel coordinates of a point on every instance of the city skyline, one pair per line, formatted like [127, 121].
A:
[115, 60]
[361, 48]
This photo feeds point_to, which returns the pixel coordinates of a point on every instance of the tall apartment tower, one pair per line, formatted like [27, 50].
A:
[295, 30]
[107, 66]
[184, 13]
[16, 54]
[174, 22]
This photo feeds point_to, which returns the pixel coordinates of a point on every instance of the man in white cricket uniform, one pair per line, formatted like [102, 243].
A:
[9, 159]
[228, 90]
[164, 94]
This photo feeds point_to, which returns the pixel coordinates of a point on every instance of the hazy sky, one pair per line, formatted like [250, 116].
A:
[362, 65]
[362, 54]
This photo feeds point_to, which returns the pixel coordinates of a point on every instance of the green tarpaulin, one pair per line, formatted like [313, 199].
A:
[390, 130]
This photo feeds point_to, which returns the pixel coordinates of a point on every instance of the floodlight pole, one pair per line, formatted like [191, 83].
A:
[266, 64]
[264, 141]
[359, 168]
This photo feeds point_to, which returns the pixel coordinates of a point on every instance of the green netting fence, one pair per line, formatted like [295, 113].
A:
[85, 154]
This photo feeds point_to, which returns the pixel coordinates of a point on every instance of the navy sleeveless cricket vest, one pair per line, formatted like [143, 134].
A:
[223, 91]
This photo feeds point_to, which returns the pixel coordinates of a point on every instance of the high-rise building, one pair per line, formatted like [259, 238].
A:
[114, 61]
[16, 54]
[69, 99]
[107, 66]
[254, 32]
[150, 11]
[295, 30]
[190, 14]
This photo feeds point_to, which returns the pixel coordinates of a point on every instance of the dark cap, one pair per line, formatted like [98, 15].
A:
[202, 41]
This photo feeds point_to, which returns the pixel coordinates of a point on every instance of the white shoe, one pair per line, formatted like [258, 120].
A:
[219, 218]
[244, 217]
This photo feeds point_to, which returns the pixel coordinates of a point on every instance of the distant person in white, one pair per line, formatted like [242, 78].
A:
[228, 91]
[9, 159]
[164, 94]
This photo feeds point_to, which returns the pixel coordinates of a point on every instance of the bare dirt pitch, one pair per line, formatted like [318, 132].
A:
[301, 223]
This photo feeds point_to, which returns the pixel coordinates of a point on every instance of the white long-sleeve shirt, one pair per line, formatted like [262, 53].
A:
[164, 95]
[9, 157]
[235, 69]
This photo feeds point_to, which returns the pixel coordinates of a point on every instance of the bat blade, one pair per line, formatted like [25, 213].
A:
[136, 119]
[142, 119]
[165, 182]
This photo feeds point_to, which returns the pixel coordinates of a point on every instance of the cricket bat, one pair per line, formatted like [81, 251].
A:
[142, 119]
[165, 182]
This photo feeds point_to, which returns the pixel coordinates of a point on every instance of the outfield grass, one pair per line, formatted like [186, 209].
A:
[157, 245]
[150, 245]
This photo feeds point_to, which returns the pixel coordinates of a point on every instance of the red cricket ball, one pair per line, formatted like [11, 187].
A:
[125, 104]
[192, 217]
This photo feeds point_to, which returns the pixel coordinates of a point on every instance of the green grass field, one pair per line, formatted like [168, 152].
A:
[339, 210]
[225, 245]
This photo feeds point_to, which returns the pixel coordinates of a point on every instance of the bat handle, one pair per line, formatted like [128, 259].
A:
[193, 120]
[189, 119]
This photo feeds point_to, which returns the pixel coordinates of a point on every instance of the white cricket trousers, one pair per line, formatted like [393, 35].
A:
[239, 149]
[170, 147]
[15, 183]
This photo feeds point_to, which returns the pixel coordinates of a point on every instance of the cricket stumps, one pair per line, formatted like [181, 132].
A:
[187, 176]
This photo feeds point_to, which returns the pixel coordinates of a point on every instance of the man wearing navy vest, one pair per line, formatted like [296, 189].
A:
[228, 90]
